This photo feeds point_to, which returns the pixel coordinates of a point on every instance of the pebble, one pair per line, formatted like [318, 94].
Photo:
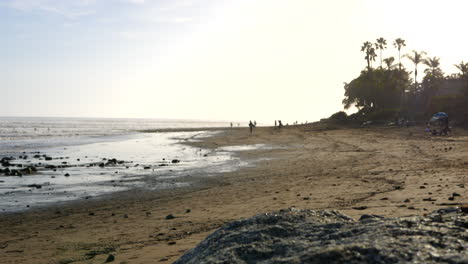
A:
[360, 207]
[169, 217]
[110, 258]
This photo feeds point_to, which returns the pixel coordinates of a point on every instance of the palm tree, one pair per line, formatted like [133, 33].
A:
[389, 62]
[416, 58]
[433, 70]
[370, 53]
[431, 82]
[381, 45]
[399, 43]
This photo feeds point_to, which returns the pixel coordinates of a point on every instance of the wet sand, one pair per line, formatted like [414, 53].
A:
[384, 171]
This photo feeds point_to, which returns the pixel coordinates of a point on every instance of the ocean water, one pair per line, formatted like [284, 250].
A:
[76, 159]
[30, 132]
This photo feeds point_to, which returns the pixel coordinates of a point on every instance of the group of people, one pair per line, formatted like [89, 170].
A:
[252, 125]
[278, 124]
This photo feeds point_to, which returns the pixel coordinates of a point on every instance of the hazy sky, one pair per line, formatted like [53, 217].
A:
[206, 59]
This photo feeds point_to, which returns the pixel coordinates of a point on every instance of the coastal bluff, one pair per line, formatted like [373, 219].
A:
[308, 236]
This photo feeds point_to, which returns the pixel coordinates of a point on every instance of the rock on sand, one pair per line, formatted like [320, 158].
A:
[307, 236]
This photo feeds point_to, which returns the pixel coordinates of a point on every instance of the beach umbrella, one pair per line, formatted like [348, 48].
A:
[440, 115]
[437, 117]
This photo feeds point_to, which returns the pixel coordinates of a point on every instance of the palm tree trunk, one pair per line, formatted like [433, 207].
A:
[415, 78]
[399, 59]
[380, 59]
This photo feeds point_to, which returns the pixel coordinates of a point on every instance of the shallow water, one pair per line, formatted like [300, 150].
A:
[152, 161]
[247, 147]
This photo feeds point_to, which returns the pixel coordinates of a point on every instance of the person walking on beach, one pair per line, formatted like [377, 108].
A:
[275, 123]
[251, 126]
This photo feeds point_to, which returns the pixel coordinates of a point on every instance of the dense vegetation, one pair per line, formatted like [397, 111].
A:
[390, 91]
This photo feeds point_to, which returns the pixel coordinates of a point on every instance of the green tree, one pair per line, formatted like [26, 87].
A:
[416, 58]
[358, 92]
[399, 43]
[370, 54]
[381, 44]
[376, 90]
[463, 68]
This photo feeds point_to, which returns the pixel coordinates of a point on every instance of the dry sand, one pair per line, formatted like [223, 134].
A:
[385, 171]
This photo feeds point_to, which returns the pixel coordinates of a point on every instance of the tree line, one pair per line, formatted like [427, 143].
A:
[391, 91]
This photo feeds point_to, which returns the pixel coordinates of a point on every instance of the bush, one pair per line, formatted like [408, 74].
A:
[383, 115]
[339, 116]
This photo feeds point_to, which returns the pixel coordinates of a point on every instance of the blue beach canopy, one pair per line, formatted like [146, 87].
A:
[440, 114]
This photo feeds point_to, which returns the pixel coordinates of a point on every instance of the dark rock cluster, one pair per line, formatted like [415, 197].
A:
[307, 236]
[8, 165]
[26, 165]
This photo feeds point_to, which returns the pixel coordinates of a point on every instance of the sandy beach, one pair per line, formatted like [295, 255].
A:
[385, 171]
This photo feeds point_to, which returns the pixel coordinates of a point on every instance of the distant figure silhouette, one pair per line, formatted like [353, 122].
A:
[275, 123]
[231, 124]
[280, 125]
[251, 126]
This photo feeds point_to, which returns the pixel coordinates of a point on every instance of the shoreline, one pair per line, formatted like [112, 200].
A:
[384, 171]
